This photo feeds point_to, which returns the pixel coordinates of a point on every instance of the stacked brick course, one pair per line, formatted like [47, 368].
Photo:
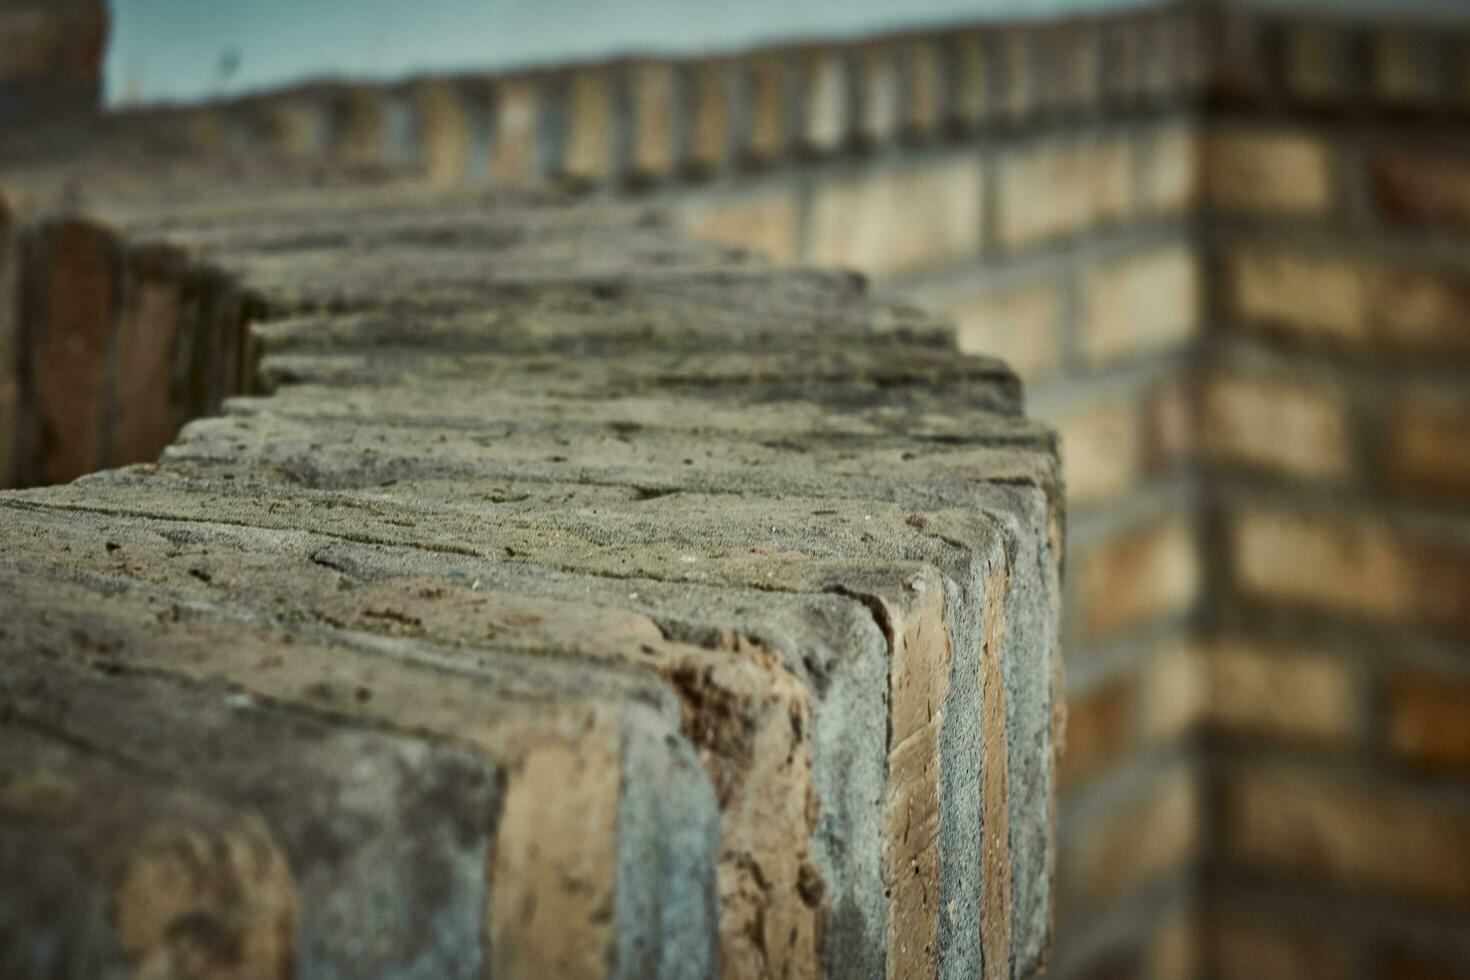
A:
[580, 602]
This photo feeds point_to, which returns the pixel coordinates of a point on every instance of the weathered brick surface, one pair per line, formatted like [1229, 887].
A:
[716, 661]
[1279, 692]
[1134, 577]
[1060, 188]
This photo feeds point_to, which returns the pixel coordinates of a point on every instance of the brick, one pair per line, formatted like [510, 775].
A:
[1288, 426]
[294, 125]
[10, 346]
[1427, 719]
[1020, 92]
[1249, 951]
[1100, 730]
[1277, 173]
[1169, 424]
[1154, 835]
[1315, 65]
[73, 275]
[1168, 170]
[1426, 449]
[1057, 189]
[587, 145]
[1419, 311]
[1138, 576]
[1401, 73]
[359, 128]
[1321, 299]
[1350, 835]
[1279, 692]
[1175, 951]
[762, 221]
[52, 41]
[970, 98]
[880, 90]
[515, 144]
[826, 113]
[710, 137]
[142, 417]
[923, 87]
[444, 130]
[1139, 304]
[1358, 567]
[1071, 56]
[765, 109]
[897, 220]
[1021, 325]
[653, 152]
[1100, 444]
[1174, 693]
[1423, 189]
[1123, 59]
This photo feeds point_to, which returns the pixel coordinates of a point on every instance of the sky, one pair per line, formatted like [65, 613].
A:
[190, 50]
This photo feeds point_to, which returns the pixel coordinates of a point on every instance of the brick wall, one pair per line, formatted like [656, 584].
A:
[1230, 256]
[1335, 423]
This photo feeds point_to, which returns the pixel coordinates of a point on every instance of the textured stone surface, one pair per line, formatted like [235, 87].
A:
[668, 613]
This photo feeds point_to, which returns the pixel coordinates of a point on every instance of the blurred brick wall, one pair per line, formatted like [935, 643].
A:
[1336, 442]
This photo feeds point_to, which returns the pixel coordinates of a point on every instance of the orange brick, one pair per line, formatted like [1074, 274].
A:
[762, 221]
[1290, 426]
[894, 220]
[1427, 449]
[1278, 692]
[1251, 951]
[1140, 304]
[1428, 719]
[1099, 730]
[1062, 188]
[1420, 311]
[1143, 841]
[1348, 834]
[1021, 325]
[1138, 576]
[1267, 172]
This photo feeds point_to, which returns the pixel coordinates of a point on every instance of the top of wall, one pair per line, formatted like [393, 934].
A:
[186, 51]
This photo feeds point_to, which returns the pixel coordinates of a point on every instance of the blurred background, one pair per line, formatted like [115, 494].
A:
[1227, 246]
